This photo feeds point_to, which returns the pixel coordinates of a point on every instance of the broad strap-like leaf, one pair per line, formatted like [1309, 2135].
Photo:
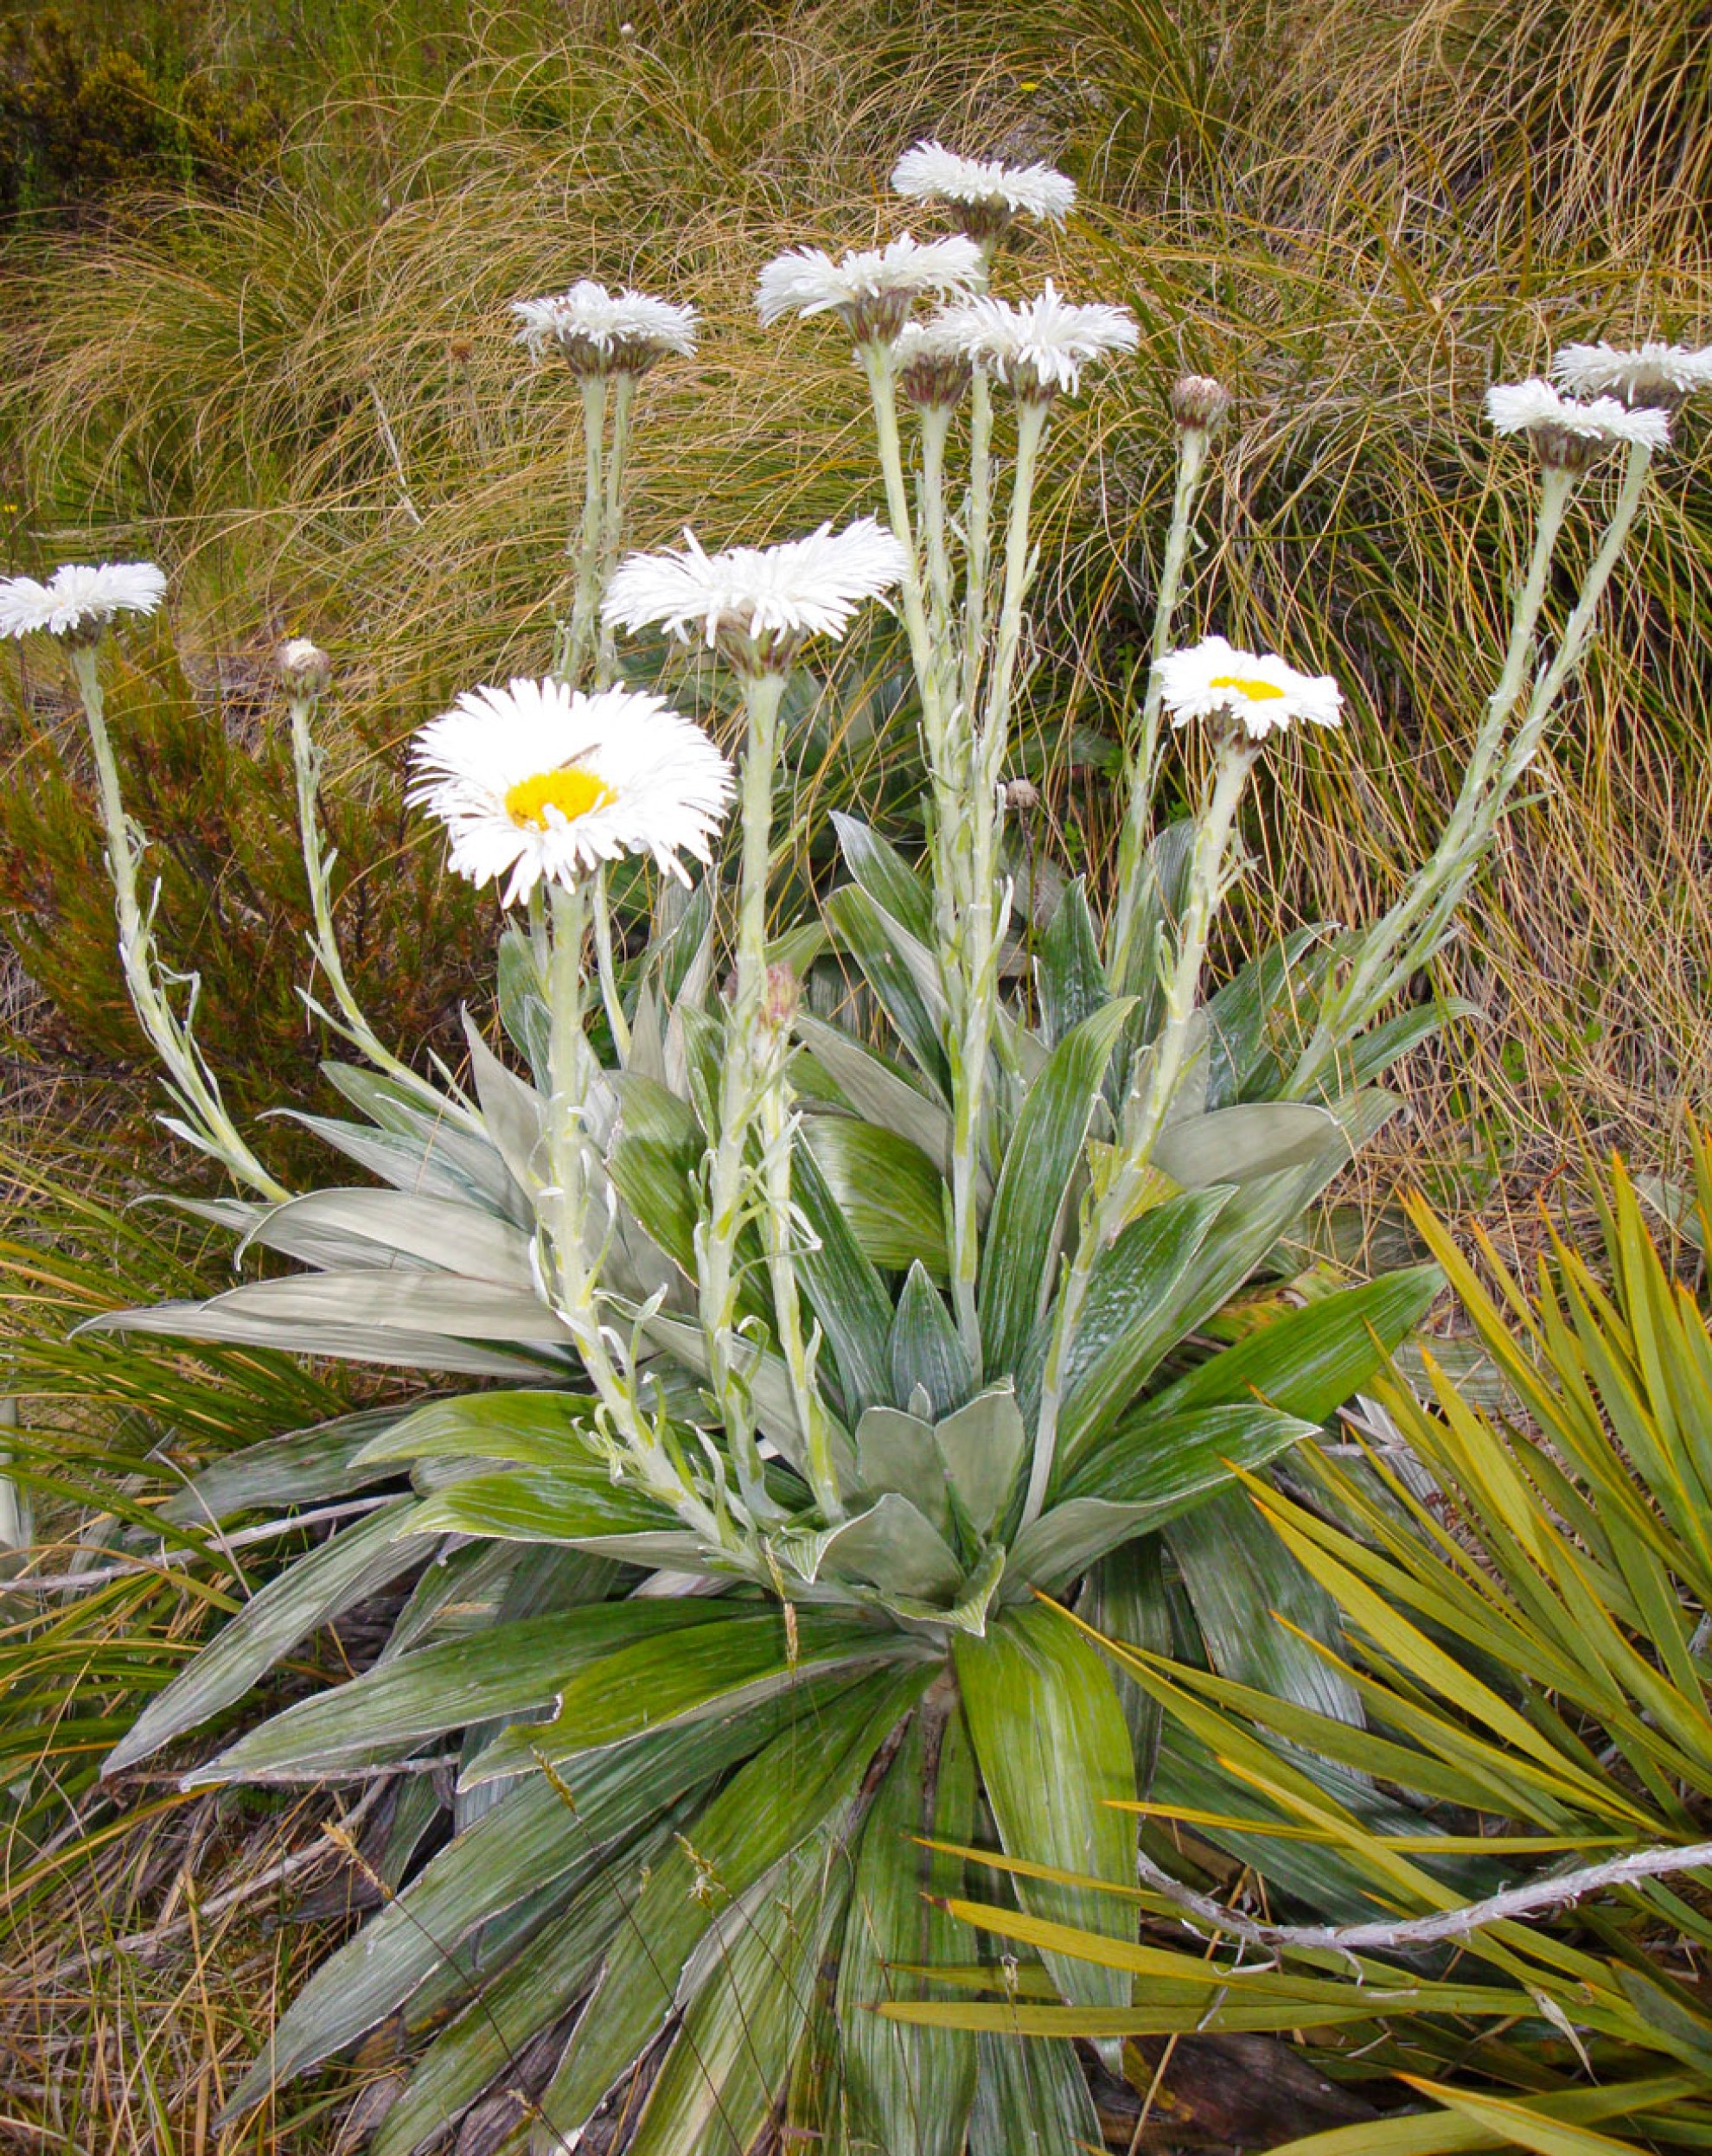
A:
[1036, 1186]
[982, 1445]
[1031, 2098]
[330, 1335]
[886, 877]
[302, 1467]
[903, 974]
[877, 1089]
[1068, 968]
[891, 1197]
[508, 1669]
[805, 1777]
[844, 1291]
[357, 1562]
[927, 1356]
[1037, 1695]
[376, 1227]
[1234, 1145]
[909, 2090]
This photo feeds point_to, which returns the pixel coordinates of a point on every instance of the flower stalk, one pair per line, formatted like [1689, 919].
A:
[1152, 1090]
[207, 1124]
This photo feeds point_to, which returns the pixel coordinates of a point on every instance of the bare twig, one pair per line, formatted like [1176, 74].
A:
[1445, 1924]
[53, 1583]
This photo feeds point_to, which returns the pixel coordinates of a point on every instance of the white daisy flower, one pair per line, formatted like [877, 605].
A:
[1652, 373]
[538, 784]
[79, 601]
[758, 604]
[598, 332]
[1041, 346]
[872, 292]
[1212, 680]
[932, 363]
[988, 194]
[1570, 434]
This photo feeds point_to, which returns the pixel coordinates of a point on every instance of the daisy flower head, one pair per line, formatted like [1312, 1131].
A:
[79, 601]
[537, 783]
[1040, 347]
[1568, 435]
[598, 332]
[986, 194]
[1654, 373]
[757, 605]
[932, 364]
[1254, 691]
[872, 293]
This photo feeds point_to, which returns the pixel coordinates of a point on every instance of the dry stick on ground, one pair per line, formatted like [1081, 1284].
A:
[1445, 1924]
[217, 1905]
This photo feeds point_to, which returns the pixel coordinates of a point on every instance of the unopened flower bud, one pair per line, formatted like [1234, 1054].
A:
[1198, 403]
[304, 669]
[780, 998]
[1022, 793]
[460, 351]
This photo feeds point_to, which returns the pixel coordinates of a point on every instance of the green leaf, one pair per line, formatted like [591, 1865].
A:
[878, 1090]
[522, 1008]
[1035, 1186]
[926, 1352]
[1253, 1601]
[1259, 1012]
[1156, 1473]
[654, 1161]
[545, 1429]
[537, 1839]
[512, 1112]
[508, 1669]
[356, 1563]
[805, 1777]
[982, 1445]
[890, 1195]
[1233, 1144]
[1072, 980]
[1038, 1695]
[1159, 901]
[1031, 2099]
[306, 1466]
[891, 1545]
[1133, 1314]
[578, 1505]
[1442, 2133]
[327, 1334]
[845, 1293]
[1520, 2125]
[886, 877]
[744, 1656]
[901, 973]
[895, 1451]
[1310, 1361]
[909, 2090]
[374, 1227]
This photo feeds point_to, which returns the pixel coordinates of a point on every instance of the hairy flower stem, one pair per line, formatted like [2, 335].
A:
[936, 428]
[578, 642]
[612, 520]
[565, 1214]
[323, 942]
[1151, 1094]
[1191, 456]
[979, 523]
[1412, 930]
[730, 1192]
[613, 1002]
[778, 1218]
[207, 1126]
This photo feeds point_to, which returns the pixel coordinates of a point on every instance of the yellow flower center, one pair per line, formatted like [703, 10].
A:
[571, 792]
[1255, 691]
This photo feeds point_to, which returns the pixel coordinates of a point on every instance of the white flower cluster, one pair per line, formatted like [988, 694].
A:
[1652, 373]
[1570, 434]
[79, 601]
[537, 783]
[1213, 679]
[1040, 347]
[758, 604]
[871, 292]
[987, 193]
[598, 332]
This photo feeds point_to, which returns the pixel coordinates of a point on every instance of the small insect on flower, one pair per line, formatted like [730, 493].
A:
[79, 601]
[1568, 435]
[1661, 375]
[987, 194]
[757, 605]
[598, 332]
[538, 784]
[1214, 680]
[1040, 347]
[871, 293]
